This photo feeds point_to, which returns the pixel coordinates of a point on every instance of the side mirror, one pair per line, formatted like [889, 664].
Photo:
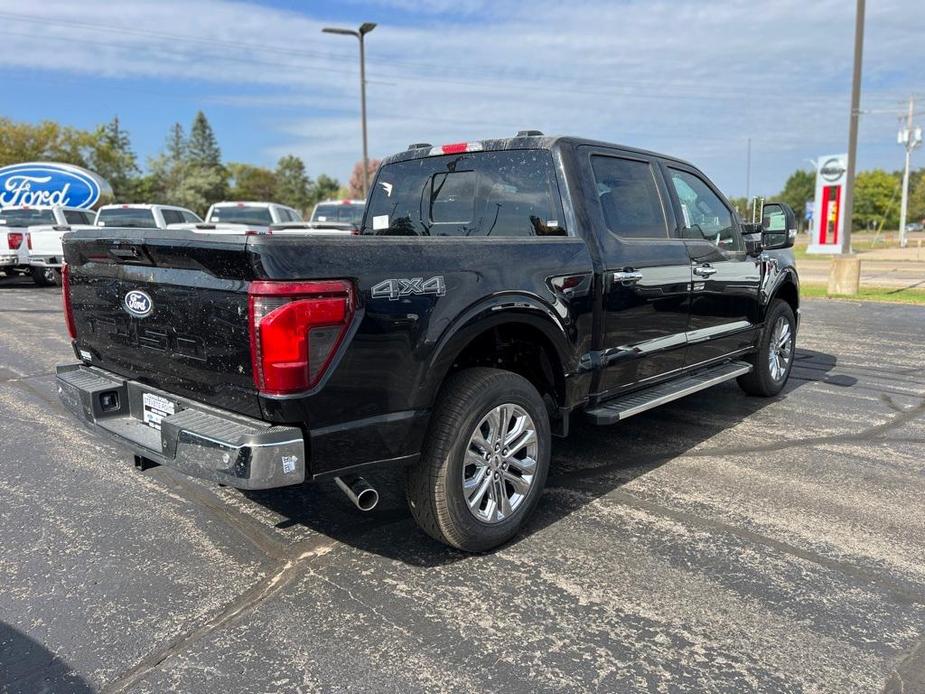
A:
[778, 226]
[753, 235]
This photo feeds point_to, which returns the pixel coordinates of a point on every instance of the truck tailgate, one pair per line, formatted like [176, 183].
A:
[165, 308]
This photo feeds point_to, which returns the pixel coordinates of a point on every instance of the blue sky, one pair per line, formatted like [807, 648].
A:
[692, 78]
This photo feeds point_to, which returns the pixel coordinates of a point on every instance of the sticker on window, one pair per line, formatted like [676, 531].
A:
[380, 221]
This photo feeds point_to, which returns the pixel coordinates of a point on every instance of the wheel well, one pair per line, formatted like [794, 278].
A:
[788, 292]
[520, 348]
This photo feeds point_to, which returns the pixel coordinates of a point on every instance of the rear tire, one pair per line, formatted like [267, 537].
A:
[46, 277]
[776, 349]
[484, 462]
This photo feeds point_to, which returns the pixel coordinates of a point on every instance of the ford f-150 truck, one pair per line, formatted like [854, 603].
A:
[498, 289]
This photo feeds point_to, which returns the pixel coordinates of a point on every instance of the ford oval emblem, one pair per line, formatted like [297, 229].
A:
[48, 183]
[138, 303]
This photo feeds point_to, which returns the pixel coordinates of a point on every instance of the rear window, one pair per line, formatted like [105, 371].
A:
[78, 217]
[133, 217]
[26, 218]
[505, 193]
[338, 212]
[242, 214]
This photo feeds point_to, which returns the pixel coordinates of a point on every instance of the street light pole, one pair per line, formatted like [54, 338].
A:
[360, 33]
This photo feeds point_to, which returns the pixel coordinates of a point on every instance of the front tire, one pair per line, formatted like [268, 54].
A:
[776, 349]
[484, 462]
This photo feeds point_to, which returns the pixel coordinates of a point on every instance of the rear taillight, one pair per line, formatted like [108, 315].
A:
[14, 239]
[28, 240]
[66, 298]
[295, 330]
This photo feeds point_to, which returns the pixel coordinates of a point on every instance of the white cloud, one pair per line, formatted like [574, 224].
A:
[688, 77]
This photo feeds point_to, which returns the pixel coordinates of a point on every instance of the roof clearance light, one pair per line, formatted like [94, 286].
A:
[456, 148]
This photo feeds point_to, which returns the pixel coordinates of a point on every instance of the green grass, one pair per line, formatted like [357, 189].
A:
[887, 294]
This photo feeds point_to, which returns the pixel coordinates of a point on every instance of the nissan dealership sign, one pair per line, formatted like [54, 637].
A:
[46, 183]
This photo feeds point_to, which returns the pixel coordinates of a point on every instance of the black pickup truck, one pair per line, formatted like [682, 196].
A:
[498, 288]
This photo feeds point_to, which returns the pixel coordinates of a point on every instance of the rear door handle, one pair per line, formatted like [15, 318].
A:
[704, 270]
[628, 277]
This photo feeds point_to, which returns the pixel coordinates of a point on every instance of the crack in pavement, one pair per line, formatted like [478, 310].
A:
[242, 605]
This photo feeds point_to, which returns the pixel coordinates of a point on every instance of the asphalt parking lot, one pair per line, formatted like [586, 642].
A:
[722, 543]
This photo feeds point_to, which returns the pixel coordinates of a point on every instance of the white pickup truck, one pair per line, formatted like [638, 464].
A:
[250, 217]
[44, 243]
[17, 226]
[342, 216]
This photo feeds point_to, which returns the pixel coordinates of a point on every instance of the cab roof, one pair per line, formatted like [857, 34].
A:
[534, 140]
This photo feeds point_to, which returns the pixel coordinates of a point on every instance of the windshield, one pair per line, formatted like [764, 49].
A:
[339, 213]
[241, 214]
[26, 218]
[132, 217]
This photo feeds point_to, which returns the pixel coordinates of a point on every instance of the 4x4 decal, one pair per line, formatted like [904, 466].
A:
[395, 289]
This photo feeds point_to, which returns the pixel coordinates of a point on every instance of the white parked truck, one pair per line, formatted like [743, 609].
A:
[144, 216]
[18, 223]
[342, 216]
[249, 217]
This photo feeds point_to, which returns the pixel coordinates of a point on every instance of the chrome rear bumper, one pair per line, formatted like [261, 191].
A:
[198, 440]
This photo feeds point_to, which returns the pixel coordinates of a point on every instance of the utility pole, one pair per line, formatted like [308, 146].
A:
[848, 209]
[748, 171]
[360, 34]
[910, 138]
[845, 273]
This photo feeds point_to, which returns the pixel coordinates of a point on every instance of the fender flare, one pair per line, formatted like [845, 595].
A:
[500, 309]
[786, 276]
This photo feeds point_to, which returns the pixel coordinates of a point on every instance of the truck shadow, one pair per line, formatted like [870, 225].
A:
[592, 462]
[28, 666]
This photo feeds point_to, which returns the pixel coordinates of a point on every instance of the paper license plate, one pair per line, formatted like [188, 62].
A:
[155, 408]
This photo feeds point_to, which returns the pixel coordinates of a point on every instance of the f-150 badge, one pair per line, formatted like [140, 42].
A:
[395, 289]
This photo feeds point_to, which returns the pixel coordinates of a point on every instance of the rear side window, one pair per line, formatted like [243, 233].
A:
[629, 197]
[78, 217]
[172, 217]
[133, 217]
[504, 193]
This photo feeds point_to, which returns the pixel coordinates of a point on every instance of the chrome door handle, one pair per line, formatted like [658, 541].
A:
[628, 277]
[704, 270]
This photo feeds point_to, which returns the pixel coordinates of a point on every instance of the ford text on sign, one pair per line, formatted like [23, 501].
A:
[45, 183]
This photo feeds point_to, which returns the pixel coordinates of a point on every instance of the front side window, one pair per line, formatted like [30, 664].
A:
[501, 193]
[189, 217]
[704, 214]
[172, 217]
[629, 197]
[131, 217]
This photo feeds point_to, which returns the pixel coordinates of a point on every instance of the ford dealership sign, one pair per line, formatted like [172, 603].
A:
[46, 183]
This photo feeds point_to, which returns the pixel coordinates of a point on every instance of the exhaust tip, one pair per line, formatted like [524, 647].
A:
[359, 491]
[367, 499]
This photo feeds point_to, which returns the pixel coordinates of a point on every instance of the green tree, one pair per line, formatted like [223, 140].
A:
[293, 186]
[798, 190]
[325, 188]
[168, 169]
[45, 141]
[251, 182]
[916, 209]
[113, 159]
[206, 180]
[876, 200]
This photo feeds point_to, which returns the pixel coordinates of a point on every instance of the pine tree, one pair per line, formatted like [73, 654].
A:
[202, 148]
[112, 158]
[206, 180]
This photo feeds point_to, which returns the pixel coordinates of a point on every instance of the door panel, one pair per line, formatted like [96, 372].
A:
[725, 282]
[645, 320]
[724, 305]
[647, 272]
